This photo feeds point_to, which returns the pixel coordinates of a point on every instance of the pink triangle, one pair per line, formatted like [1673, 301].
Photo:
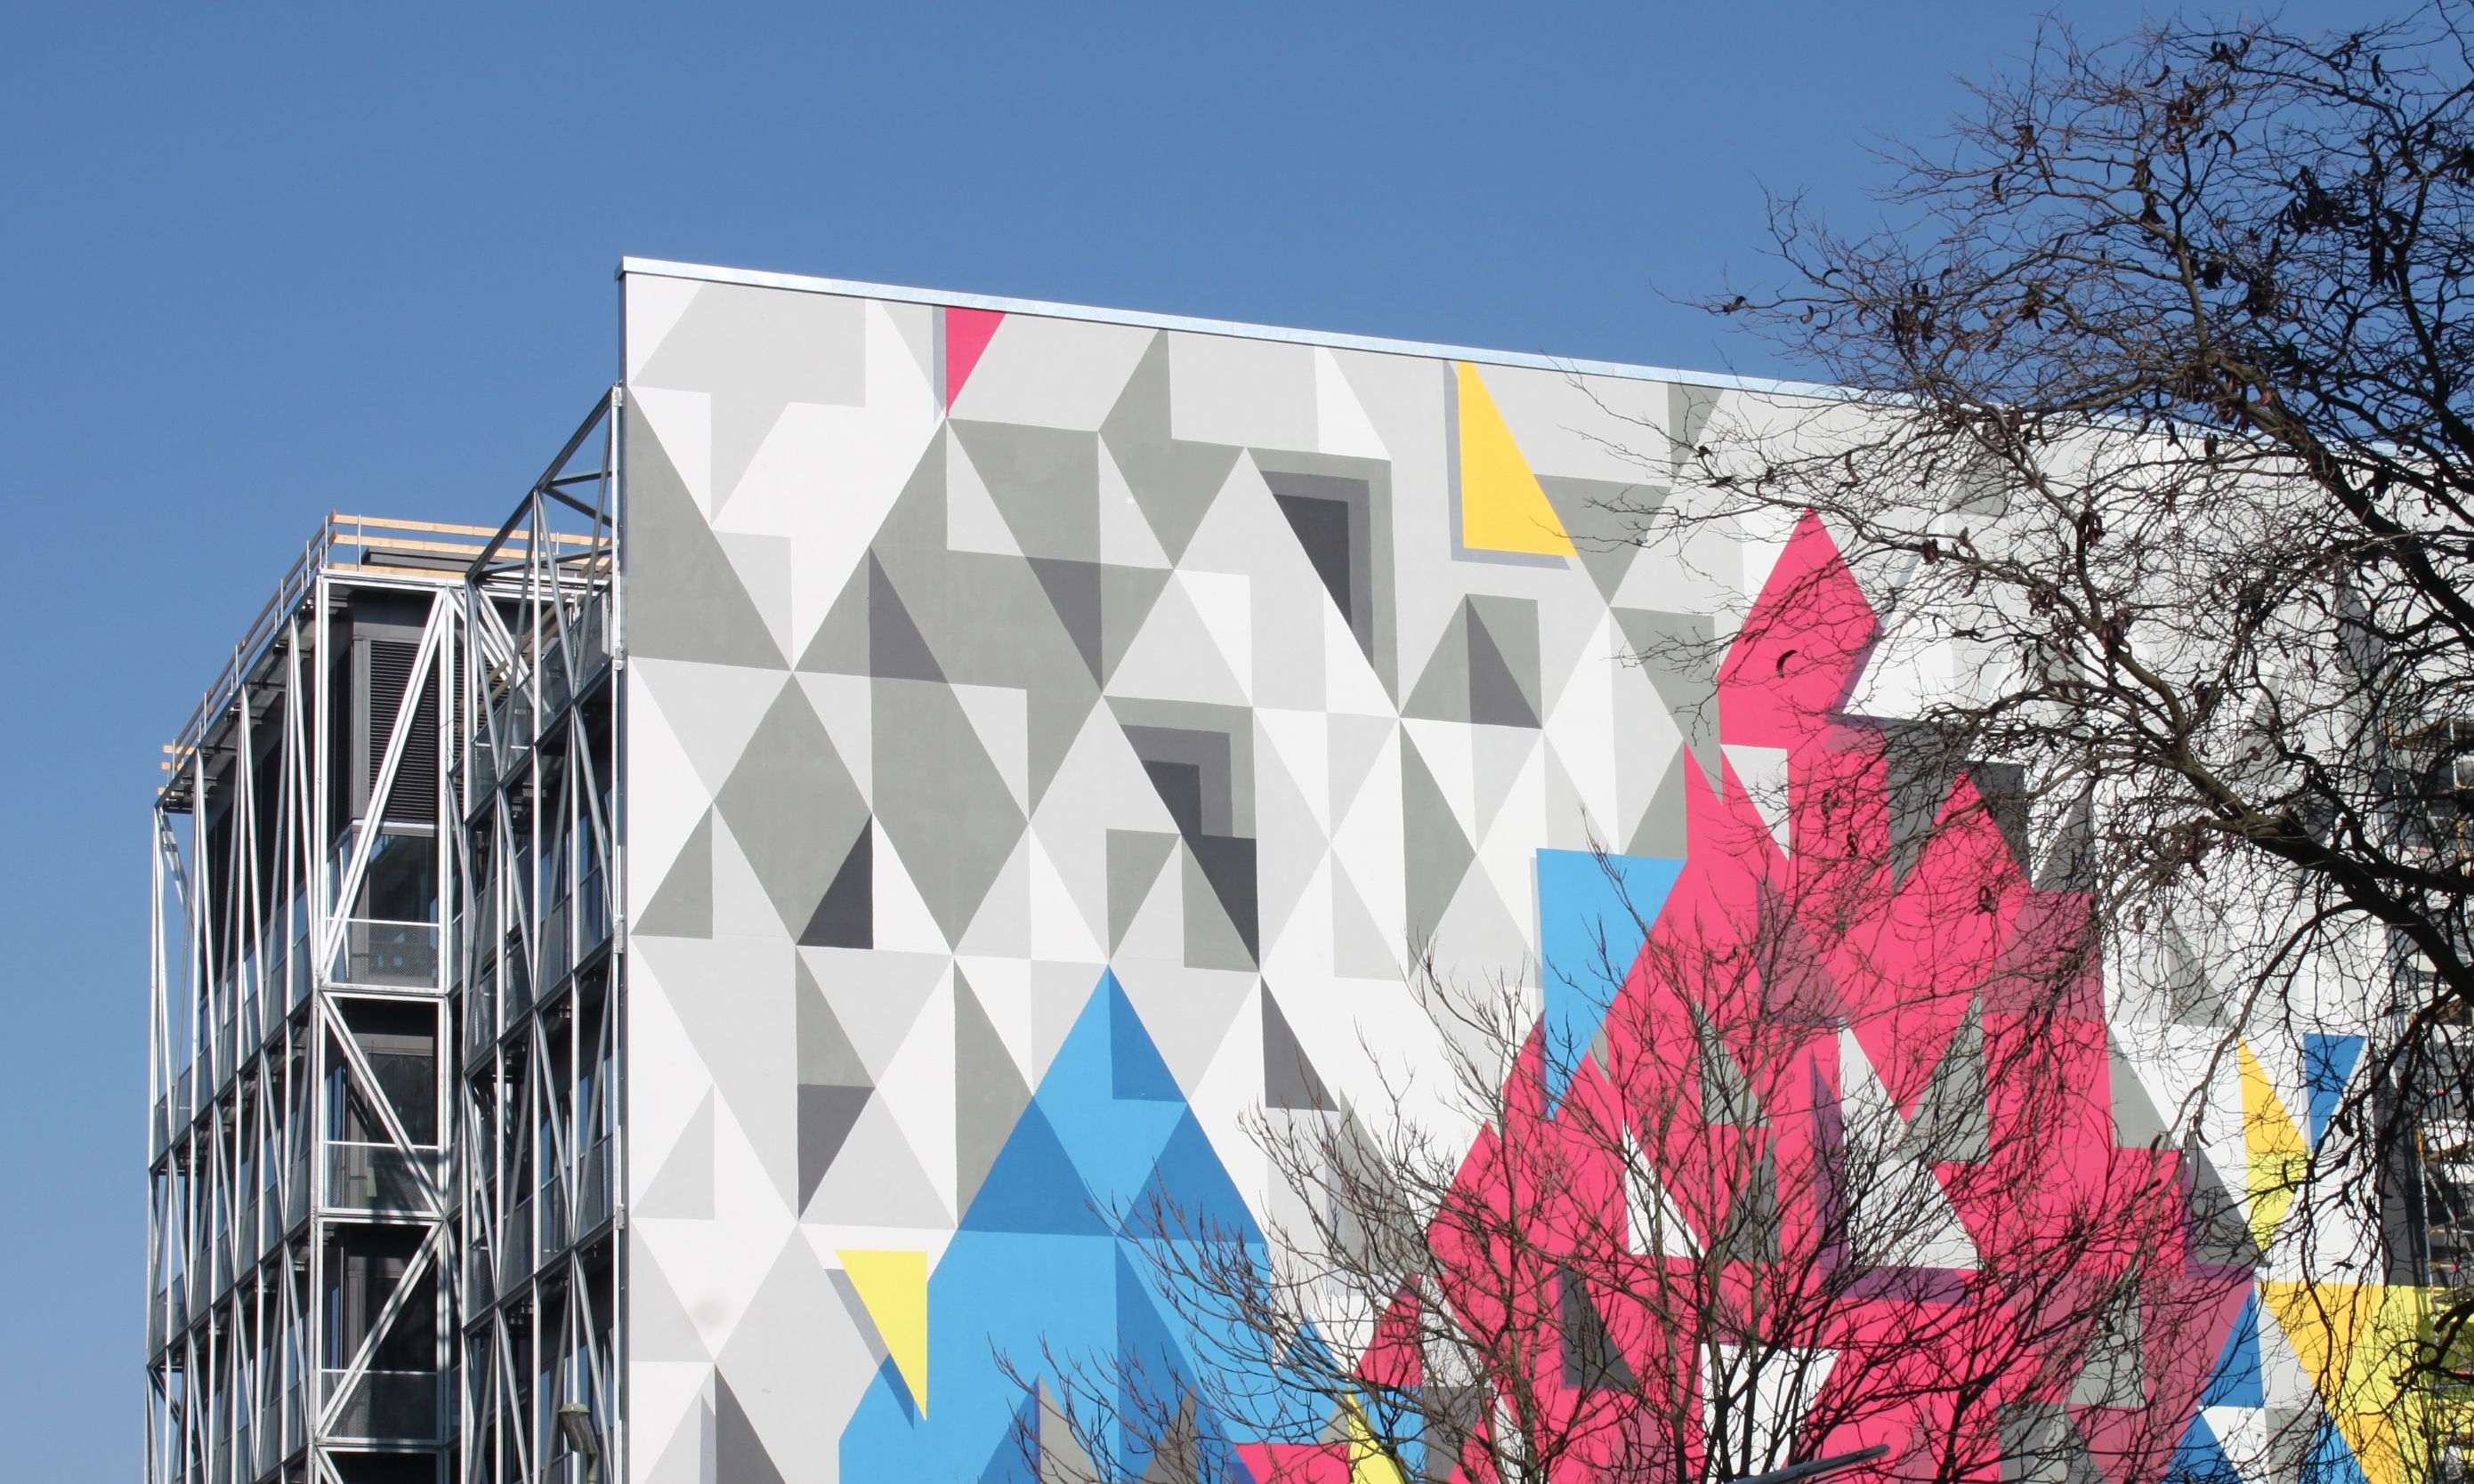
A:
[966, 334]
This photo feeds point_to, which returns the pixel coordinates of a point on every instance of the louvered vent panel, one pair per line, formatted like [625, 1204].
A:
[415, 794]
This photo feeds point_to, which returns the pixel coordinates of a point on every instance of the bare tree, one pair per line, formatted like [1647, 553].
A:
[2154, 446]
[1828, 1175]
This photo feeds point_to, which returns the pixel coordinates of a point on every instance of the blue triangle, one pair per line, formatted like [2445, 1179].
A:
[1032, 1186]
[2237, 1378]
[1592, 911]
[1189, 1181]
[2327, 1063]
[1009, 1464]
[1134, 1066]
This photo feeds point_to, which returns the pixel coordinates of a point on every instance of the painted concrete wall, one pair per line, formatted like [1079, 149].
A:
[1050, 739]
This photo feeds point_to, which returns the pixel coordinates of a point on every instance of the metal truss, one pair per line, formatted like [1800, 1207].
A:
[380, 1166]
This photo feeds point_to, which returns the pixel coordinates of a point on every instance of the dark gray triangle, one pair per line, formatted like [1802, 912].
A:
[739, 1453]
[990, 1094]
[1680, 654]
[1593, 1361]
[1135, 857]
[826, 1116]
[1437, 854]
[1219, 904]
[1924, 763]
[1323, 528]
[1172, 480]
[1495, 697]
[1073, 589]
[687, 602]
[2069, 865]
[845, 916]
[1289, 1079]
[826, 1056]
[895, 649]
[682, 905]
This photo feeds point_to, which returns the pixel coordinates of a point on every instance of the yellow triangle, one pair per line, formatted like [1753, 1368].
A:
[894, 1287]
[1502, 508]
[1367, 1462]
[2353, 1340]
[2278, 1154]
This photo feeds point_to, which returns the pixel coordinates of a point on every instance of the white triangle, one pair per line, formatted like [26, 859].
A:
[1762, 772]
[1175, 657]
[972, 519]
[1779, 1391]
[1340, 423]
[844, 707]
[1652, 1223]
[1060, 928]
[917, 1088]
[682, 423]
[721, 706]
[1000, 717]
[903, 921]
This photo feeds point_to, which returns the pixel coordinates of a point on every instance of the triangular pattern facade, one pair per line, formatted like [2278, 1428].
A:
[1056, 742]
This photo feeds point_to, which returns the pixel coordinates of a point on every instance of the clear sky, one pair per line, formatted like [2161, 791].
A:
[263, 262]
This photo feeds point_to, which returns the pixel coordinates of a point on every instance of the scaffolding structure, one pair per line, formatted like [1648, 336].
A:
[384, 1037]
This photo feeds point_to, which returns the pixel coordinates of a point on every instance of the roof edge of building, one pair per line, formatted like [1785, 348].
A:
[1378, 345]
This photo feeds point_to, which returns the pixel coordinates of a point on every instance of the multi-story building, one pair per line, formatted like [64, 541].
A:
[664, 989]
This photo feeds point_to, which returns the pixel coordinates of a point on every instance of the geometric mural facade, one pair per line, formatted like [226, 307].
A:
[1050, 738]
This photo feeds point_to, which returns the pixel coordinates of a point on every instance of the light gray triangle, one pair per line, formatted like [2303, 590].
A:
[877, 996]
[682, 905]
[1680, 654]
[1135, 857]
[1045, 482]
[684, 599]
[681, 1187]
[1359, 949]
[877, 1181]
[1437, 854]
[1664, 827]
[658, 1326]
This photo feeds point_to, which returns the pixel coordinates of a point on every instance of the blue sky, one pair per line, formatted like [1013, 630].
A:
[261, 263]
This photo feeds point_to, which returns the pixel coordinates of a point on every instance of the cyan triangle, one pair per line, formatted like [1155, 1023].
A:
[2237, 1380]
[1033, 1186]
[1592, 910]
[2327, 1064]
